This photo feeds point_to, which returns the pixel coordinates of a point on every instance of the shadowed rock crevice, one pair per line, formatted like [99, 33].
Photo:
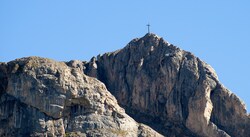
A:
[3, 78]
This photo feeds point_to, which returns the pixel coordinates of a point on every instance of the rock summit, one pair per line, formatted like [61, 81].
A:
[148, 88]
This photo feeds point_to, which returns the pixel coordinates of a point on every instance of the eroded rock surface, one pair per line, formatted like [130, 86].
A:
[170, 89]
[42, 97]
[167, 90]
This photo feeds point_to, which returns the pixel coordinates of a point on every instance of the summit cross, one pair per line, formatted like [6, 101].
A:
[148, 27]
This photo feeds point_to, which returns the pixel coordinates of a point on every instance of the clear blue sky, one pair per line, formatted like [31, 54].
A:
[217, 31]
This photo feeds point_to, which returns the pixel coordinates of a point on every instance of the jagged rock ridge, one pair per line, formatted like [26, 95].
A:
[158, 84]
[172, 87]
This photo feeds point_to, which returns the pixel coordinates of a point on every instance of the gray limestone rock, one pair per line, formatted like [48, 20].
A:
[42, 97]
[171, 90]
[164, 90]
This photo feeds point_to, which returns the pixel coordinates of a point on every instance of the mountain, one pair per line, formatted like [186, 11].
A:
[148, 88]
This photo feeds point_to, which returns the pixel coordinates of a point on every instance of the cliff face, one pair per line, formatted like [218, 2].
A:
[158, 84]
[42, 97]
[170, 90]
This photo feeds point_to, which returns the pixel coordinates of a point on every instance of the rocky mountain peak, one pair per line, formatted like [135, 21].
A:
[151, 36]
[156, 82]
[148, 82]
[150, 39]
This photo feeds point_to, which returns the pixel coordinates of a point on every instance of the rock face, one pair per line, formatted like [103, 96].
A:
[42, 97]
[170, 89]
[158, 84]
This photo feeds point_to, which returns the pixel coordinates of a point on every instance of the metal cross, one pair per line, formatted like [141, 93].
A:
[148, 27]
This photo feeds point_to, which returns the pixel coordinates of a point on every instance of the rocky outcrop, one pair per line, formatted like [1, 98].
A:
[42, 97]
[170, 89]
[158, 84]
